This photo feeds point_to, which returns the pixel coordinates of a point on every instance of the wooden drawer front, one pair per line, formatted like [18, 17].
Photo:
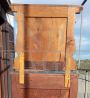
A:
[43, 86]
[42, 93]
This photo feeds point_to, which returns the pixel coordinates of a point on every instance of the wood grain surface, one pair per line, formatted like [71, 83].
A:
[45, 39]
[45, 33]
[43, 86]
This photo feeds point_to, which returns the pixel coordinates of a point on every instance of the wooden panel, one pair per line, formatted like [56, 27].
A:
[70, 47]
[4, 59]
[1, 44]
[74, 88]
[0, 79]
[41, 11]
[43, 86]
[45, 39]
[5, 41]
[0, 58]
[65, 94]
[44, 10]
[0, 88]
[6, 52]
[21, 32]
[4, 79]
[40, 93]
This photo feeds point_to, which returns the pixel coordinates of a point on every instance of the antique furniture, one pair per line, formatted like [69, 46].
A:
[44, 66]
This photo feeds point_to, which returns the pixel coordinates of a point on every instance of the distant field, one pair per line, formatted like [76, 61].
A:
[85, 65]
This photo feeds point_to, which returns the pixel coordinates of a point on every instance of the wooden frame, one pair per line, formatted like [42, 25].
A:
[40, 11]
[46, 11]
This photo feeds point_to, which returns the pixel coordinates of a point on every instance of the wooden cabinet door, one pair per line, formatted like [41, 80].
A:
[45, 39]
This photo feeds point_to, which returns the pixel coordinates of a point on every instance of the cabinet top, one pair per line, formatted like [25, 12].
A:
[44, 10]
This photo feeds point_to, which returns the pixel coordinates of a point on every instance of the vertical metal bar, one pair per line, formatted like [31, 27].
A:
[85, 95]
[80, 40]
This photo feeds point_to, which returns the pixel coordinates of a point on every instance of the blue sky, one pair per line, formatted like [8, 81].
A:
[85, 44]
[48, 1]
